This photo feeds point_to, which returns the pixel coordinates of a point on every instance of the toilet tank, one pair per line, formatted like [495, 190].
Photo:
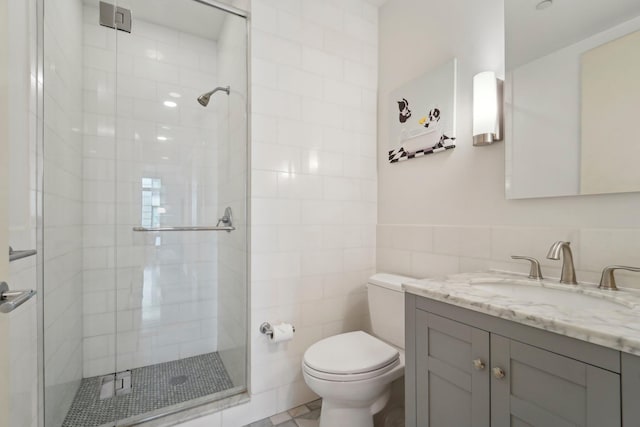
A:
[386, 307]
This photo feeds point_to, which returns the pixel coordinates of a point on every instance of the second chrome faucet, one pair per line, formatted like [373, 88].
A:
[568, 274]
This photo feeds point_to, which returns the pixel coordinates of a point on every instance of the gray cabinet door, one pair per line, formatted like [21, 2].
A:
[630, 390]
[542, 389]
[450, 390]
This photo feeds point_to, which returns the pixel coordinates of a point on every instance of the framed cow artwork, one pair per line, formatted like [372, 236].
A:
[424, 114]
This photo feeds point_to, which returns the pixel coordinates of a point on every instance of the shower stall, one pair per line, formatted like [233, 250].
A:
[144, 208]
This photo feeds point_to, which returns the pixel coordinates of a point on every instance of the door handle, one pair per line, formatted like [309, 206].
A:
[10, 300]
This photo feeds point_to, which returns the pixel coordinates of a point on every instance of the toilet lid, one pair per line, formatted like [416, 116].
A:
[350, 353]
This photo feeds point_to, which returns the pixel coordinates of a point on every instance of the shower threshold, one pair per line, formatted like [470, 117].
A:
[153, 388]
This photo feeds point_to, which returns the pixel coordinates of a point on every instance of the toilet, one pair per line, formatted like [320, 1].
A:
[353, 372]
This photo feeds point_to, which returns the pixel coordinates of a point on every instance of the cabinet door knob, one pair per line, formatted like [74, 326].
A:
[478, 364]
[498, 373]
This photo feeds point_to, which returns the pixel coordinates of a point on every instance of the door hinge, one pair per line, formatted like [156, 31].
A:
[115, 17]
[116, 384]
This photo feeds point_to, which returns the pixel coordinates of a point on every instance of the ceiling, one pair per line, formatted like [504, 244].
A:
[532, 33]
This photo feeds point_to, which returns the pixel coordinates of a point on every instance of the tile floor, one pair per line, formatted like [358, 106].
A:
[303, 416]
[153, 387]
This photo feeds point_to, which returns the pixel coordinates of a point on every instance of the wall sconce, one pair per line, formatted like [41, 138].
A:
[488, 115]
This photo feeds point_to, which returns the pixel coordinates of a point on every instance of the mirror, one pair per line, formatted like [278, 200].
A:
[572, 97]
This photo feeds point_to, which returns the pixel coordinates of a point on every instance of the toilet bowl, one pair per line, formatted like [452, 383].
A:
[353, 372]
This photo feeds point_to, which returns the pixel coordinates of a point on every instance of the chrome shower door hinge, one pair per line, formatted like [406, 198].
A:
[123, 383]
[115, 17]
[115, 384]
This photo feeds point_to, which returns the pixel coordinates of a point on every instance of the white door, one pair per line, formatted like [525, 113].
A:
[18, 345]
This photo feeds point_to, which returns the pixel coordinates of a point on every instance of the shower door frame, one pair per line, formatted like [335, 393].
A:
[209, 406]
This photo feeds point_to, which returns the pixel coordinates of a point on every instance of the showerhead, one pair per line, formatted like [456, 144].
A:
[205, 97]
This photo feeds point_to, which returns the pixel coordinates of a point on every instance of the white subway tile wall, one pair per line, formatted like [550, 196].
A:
[62, 197]
[314, 78]
[433, 250]
[313, 213]
[149, 297]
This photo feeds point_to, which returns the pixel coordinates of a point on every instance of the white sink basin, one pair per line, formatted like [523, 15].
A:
[538, 294]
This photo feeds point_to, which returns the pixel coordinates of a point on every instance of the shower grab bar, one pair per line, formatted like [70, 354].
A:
[228, 229]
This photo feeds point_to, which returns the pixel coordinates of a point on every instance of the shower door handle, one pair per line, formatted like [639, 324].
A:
[226, 220]
[187, 228]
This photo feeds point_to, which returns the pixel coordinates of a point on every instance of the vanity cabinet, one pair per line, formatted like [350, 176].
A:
[535, 387]
[450, 391]
[465, 368]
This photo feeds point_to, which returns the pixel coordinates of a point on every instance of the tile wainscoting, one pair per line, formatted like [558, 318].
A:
[430, 250]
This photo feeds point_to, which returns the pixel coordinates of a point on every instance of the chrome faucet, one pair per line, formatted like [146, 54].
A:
[568, 275]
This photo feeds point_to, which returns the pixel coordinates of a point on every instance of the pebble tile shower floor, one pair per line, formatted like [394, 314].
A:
[153, 387]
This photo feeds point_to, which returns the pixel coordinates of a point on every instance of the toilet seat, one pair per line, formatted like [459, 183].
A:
[328, 376]
[353, 356]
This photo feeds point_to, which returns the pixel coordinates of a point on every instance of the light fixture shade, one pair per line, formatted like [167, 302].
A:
[487, 108]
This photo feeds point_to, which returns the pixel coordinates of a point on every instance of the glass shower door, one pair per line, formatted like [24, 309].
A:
[145, 199]
[77, 286]
[178, 98]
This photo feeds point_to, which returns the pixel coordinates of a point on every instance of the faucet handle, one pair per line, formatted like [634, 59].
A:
[535, 272]
[608, 281]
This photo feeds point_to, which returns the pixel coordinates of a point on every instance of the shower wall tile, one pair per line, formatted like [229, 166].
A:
[98, 58]
[314, 175]
[313, 199]
[159, 292]
[63, 202]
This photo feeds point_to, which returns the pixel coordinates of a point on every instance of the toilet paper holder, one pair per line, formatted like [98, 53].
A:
[267, 329]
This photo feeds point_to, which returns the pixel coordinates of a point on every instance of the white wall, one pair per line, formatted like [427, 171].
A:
[616, 62]
[313, 124]
[150, 297]
[460, 220]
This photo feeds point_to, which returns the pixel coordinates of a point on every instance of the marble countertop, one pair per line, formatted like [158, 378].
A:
[615, 325]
